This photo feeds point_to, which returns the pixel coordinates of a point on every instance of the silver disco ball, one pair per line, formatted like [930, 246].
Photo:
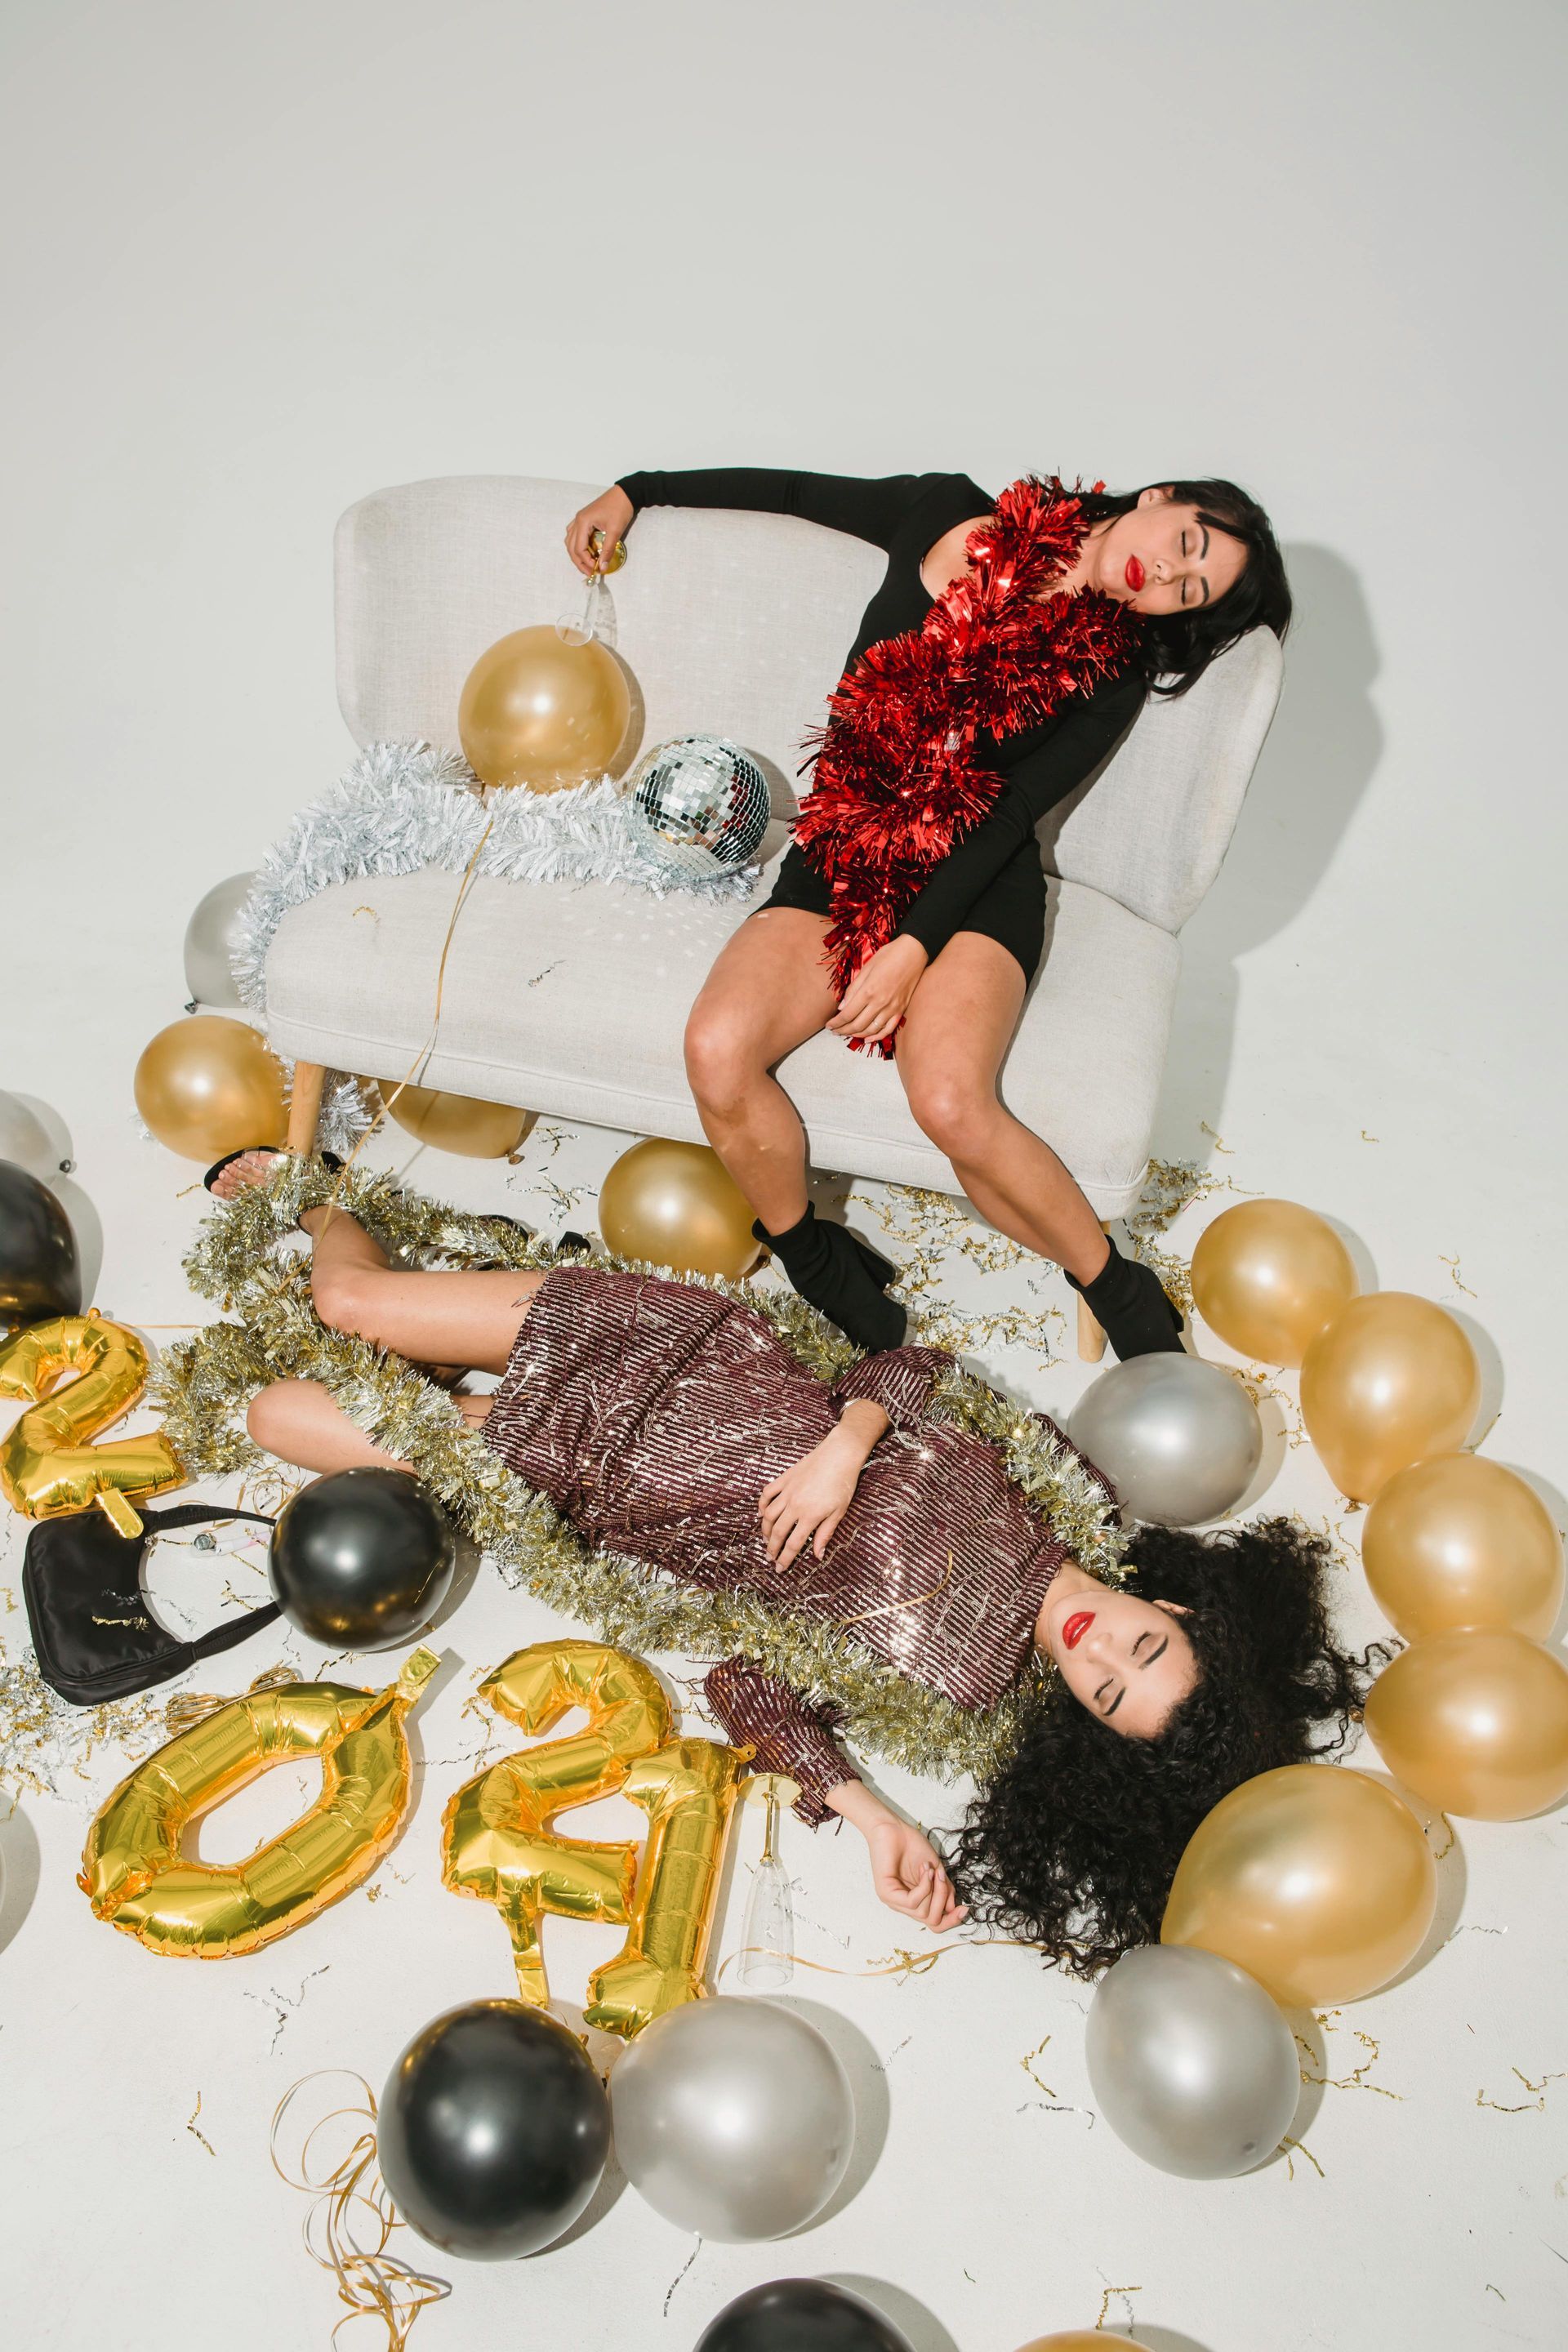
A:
[700, 804]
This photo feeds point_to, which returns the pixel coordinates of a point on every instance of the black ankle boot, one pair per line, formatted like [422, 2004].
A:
[843, 1278]
[1132, 1307]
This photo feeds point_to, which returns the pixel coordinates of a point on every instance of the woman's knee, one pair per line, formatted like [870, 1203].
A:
[949, 1108]
[723, 1060]
[275, 1414]
[344, 1297]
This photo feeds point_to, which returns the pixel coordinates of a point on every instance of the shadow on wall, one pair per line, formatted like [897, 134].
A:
[1321, 755]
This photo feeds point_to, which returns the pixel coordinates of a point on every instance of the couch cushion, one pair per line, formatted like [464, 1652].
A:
[572, 999]
[736, 624]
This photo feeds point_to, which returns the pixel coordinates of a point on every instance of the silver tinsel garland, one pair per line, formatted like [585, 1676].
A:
[401, 807]
[203, 1384]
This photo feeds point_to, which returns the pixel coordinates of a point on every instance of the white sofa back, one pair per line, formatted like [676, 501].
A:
[737, 624]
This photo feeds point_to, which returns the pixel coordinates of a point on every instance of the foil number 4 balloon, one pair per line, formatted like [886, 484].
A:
[78, 1374]
[499, 1845]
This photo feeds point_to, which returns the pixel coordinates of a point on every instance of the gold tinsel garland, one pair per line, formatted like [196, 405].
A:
[204, 1382]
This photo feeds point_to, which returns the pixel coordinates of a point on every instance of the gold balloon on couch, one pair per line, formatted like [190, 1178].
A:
[676, 1204]
[459, 1123]
[1458, 1541]
[540, 711]
[1390, 1381]
[1268, 1275]
[1477, 1723]
[209, 1084]
[1318, 1881]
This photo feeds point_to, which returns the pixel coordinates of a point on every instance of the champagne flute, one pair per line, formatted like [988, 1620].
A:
[767, 1958]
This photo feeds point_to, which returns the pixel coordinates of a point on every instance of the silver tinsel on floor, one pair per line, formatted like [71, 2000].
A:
[405, 805]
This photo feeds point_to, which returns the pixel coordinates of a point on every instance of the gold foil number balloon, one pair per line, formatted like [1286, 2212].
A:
[136, 1877]
[539, 710]
[499, 1846]
[1390, 1381]
[1268, 1275]
[209, 1084]
[1316, 1880]
[1477, 1723]
[78, 1374]
[459, 1123]
[1458, 1541]
[676, 1204]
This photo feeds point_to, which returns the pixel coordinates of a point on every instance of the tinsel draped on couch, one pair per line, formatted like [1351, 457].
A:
[571, 998]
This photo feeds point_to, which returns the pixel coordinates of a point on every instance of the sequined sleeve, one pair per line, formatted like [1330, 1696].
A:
[899, 1380]
[787, 1735]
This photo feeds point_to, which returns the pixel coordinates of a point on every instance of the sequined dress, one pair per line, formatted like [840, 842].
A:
[653, 1412]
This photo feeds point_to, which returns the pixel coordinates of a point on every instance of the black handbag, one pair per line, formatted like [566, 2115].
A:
[94, 1636]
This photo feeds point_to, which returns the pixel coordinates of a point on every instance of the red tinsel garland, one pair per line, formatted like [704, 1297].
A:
[898, 783]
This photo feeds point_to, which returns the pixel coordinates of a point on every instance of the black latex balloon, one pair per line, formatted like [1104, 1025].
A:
[494, 2130]
[362, 1560]
[800, 2315]
[40, 1276]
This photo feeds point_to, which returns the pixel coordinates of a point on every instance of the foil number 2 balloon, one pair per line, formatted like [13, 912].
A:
[500, 1846]
[79, 1373]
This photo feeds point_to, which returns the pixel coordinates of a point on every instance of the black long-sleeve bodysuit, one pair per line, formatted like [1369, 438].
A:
[993, 881]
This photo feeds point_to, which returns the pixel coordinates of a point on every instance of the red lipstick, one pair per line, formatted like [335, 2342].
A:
[1077, 1627]
[1135, 574]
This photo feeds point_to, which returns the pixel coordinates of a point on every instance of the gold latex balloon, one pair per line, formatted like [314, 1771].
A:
[1477, 1723]
[688, 1791]
[1268, 1275]
[676, 1204]
[498, 1843]
[1316, 1880]
[1390, 1381]
[136, 1878]
[460, 1123]
[540, 711]
[47, 1467]
[209, 1084]
[1458, 1541]
[1073, 2339]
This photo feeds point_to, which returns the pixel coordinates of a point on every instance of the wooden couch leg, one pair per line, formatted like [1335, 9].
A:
[305, 1107]
[1090, 1338]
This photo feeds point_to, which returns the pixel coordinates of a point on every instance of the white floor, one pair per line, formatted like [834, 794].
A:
[264, 259]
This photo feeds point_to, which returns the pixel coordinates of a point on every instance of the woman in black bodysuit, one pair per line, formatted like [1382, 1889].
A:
[1197, 565]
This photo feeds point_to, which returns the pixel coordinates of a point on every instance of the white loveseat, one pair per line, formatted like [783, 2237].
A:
[571, 998]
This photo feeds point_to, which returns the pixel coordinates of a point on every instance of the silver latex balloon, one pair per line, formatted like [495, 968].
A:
[209, 941]
[25, 1141]
[1177, 1439]
[732, 2118]
[1190, 2061]
[701, 804]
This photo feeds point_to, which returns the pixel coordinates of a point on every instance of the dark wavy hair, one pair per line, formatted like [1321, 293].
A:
[1175, 648]
[1074, 1843]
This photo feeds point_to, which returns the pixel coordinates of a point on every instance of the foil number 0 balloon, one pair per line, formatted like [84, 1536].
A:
[500, 1847]
[48, 1468]
[136, 1877]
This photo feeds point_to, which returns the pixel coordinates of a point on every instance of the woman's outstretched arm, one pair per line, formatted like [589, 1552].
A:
[869, 509]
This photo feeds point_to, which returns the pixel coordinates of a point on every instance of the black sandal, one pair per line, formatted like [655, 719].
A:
[328, 1161]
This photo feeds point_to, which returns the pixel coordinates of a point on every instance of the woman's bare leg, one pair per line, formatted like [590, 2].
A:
[469, 1320]
[298, 1421]
[950, 1052]
[766, 993]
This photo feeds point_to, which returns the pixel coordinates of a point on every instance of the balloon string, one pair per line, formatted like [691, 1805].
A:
[901, 1964]
[374, 2283]
[428, 1047]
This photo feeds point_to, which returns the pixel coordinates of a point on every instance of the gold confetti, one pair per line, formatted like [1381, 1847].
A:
[1533, 2105]
[1219, 1142]
[1028, 2062]
[41, 1737]
[1454, 1264]
[1288, 2144]
[190, 2127]
[1108, 2297]
[1370, 1138]
[1356, 2079]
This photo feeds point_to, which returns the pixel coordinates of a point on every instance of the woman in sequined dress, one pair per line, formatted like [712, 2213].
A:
[672, 1426]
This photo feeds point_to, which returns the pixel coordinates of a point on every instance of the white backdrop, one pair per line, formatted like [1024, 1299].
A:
[259, 260]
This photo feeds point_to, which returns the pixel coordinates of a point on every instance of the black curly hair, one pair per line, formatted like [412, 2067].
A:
[1175, 648]
[1074, 1843]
